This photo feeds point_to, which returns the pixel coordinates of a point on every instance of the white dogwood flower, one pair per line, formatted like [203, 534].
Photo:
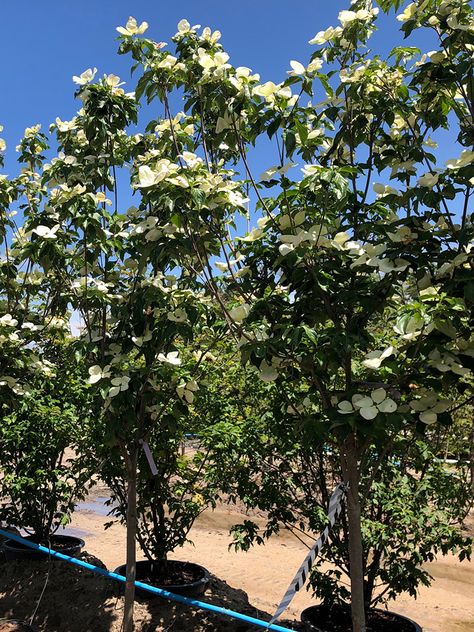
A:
[445, 362]
[374, 359]
[66, 126]
[186, 390]
[268, 372]
[45, 232]
[239, 314]
[118, 384]
[265, 89]
[429, 407]
[297, 68]
[368, 406]
[132, 27]
[385, 189]
[466, 158]
[96, 373]
[148, 178]
[403, 235]
[170, 358]
[8, 321]
[177, 316]
[184, 27]
[86, 77]
[408, 13]
[325, 36]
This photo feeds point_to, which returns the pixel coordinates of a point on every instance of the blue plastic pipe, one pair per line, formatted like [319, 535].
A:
[157, 591]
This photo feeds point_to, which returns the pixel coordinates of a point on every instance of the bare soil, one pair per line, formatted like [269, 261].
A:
[252, 583]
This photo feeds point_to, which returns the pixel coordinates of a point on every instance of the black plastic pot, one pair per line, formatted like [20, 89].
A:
[3, 539]
[313, 618]
[66, 544]
[146, 570]
[21, 626]
[13, 530]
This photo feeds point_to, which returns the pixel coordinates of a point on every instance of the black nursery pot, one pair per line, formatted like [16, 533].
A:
[338, 619]
[184, 578]
[12, 530]
[66, 544]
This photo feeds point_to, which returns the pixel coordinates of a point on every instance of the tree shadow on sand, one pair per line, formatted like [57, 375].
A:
[160, 615]
[74, 599]
[77, 600]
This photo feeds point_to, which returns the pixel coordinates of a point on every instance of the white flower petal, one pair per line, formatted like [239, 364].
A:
[428, 417]
[345, 407]
[362, 402]
[368, 413]
[387, 406]
[378, 395]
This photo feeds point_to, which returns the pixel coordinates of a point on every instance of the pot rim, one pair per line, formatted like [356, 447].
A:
[417, 627]
[120, 570]
[13, 544]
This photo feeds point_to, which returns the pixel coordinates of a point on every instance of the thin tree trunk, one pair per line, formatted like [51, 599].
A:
[350, 470]
[131, 543]
[471, 457]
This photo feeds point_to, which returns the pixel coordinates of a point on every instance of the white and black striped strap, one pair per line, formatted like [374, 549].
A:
[335, 504]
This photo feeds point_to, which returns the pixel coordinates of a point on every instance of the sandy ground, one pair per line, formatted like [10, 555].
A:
[253, 580]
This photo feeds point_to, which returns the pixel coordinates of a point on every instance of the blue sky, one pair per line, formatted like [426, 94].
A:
[49, 41]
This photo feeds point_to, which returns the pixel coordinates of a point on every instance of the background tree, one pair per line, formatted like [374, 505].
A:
[364, 297]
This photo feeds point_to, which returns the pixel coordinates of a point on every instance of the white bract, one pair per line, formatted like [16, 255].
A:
[297, 68]
[445, 362]
[45, 232]
[86, 77]
[429, 407]
[368, 407]
[325, 36]
[132, 27]
[8, 321]
[65, 126]
[118, 384]
[408, 13]
[347, 17]
[149, 178]
[187, 390]
[384, 189]
[96, 373]
[466, 158]
[239, 314]
[255, 233]
[403, 235]
[374, 359]
[178, 316]
[268, 372]
[170, 358]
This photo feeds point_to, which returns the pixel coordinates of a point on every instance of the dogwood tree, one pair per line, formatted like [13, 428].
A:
[123, 275]
[357, 279]
[356, 284]
[28, 293]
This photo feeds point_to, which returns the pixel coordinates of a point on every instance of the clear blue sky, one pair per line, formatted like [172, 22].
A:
[44, 43]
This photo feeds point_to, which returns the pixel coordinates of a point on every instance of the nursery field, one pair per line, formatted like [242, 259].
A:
[251, 582]
[237, 323]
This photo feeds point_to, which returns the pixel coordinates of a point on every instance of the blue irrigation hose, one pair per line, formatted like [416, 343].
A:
[157, 591]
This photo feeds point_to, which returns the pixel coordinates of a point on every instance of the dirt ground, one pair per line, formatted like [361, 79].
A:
[252, 583]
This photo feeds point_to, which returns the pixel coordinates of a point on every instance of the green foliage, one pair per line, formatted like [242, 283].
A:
[351, 299]
[412, 510]
[42, 475]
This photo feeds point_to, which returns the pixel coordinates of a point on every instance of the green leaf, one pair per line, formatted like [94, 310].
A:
[290, 142]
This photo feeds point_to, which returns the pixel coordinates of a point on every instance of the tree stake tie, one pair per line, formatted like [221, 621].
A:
[299, 580]
[149, 457]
